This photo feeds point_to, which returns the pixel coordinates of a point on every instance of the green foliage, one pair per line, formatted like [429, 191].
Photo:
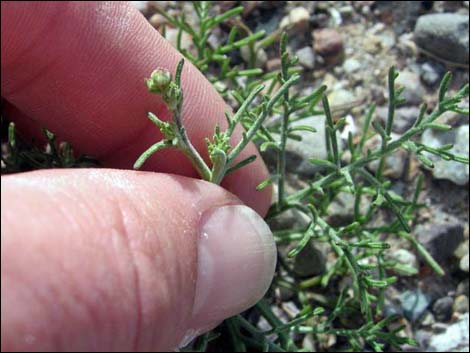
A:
[18, 156]
[221, 154]
[207, 57]
[355, 316]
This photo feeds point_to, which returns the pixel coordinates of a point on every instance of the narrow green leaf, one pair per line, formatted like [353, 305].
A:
[178, 72]
[241, 164]
[425, 160]
[323, 163]
[221, 18]
[150, 151]
[443, 87]
[11, 135]
[303, 242]
[441, 127]
[267, 145]
[267, 182]
[302, 128]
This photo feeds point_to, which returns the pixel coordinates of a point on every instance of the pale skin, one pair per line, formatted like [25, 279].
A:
[103, 259]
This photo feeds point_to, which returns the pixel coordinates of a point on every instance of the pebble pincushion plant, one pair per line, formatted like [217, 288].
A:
[266, 105]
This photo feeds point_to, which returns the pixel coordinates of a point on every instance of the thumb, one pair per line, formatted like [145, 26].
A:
[97, 260]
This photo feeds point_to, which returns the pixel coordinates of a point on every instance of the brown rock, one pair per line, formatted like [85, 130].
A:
[299, 17]
[273, 64]
[157, 20]
[328, 43]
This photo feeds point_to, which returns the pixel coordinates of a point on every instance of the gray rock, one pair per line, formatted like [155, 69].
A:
[414, 303]
[444, 35]
[391, 308]
[455, 337]
[261, 56]
[341, 97]
[442, 309]
[406, 45]
[432, 73]
[308, 343]
[441, 236]
[404, 117]
[464, 263]
[171, 34]
[291, 309]
[351, 65]
[427, 320]
[312, 145]
[309, 262]
[461, 304]
[270, 25]
[450, 170]
[306, 57]
[423, 337]
[454, 119]
[404, 257]
[394, 163]
[463, 288]
[462, 249]
[341, 210]
[289, 219]
[414, 91]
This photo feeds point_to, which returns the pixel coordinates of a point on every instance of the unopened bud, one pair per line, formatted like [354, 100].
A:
[159, 80]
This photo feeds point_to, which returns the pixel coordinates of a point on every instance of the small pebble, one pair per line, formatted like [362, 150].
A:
[299, 17]
[306, 57]
[464, 263]
[442, 309]
[428, 319]
[327, 43]
[157, 20]
[461, 304]
[351, 65]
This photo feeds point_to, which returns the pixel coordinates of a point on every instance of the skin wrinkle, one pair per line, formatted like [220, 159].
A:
[139, 254]
[99, 296]
[125, 234]
[177, 277]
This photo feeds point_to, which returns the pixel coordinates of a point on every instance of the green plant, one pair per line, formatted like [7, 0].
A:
[215, 62]
[19, 156]
[355, 316]
[221, 153]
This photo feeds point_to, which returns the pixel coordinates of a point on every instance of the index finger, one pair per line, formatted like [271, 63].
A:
[77, 68]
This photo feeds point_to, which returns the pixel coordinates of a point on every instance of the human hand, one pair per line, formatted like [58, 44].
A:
[100, 259]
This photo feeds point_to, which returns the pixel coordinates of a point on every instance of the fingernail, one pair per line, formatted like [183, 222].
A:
[236, 263]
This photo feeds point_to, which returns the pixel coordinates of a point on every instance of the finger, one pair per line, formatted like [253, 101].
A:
[78, 68]
[97, 260]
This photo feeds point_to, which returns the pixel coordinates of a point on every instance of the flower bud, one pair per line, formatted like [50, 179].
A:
[159, 80]
[172, 96]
